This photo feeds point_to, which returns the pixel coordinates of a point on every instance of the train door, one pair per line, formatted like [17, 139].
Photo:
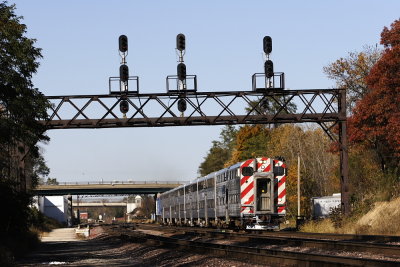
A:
[264, 193]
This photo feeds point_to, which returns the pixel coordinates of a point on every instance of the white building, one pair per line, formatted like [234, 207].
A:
[56, 207]
[137, 204]
[322, 207]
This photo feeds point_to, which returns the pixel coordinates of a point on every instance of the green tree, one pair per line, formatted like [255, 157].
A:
[271, 105]
[220, 151]
[40, 170]
[51, 181]
[21, 107]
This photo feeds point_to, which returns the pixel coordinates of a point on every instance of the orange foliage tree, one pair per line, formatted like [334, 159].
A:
[376, 119]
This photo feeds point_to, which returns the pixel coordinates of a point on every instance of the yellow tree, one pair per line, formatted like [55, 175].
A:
[318, 168]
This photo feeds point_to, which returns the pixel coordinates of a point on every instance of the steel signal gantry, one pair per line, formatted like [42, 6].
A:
[327, 107]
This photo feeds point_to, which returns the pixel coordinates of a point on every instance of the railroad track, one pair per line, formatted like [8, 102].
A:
[355, 243]
[355, 246]
[266, 248]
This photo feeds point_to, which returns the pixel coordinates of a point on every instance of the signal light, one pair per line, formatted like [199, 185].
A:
[124, 73]
[180, 42]
[269, 69]
[123, 43]
[182, 105]
[267, 43]
[181, 70]
[124, 106]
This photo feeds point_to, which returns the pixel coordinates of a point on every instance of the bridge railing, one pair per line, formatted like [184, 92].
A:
[118, 182]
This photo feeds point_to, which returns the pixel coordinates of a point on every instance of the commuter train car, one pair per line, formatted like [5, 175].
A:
[250, 194]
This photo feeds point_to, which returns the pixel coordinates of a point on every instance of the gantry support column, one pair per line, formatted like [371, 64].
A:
[344, 156]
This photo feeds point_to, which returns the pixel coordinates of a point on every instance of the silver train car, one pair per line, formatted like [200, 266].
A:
[248, 195]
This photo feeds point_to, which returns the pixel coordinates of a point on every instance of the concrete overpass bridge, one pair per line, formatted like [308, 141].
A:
[98, 204]
[106, 188]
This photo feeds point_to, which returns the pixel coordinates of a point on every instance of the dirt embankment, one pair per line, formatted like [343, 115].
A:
[383, 219]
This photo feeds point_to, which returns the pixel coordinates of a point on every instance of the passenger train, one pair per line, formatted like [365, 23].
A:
[248, 195]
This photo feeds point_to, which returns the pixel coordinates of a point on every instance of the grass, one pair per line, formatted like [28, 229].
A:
[381, 219]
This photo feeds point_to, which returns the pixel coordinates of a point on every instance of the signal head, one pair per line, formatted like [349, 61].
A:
[269, 68]
[180, 42]
[124, 106]
[124, 73]
[181, 71]
[267, 43]
[182, 105]
[123, 43]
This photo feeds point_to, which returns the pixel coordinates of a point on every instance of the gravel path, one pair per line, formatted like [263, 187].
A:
[60, 234]
[104, 250]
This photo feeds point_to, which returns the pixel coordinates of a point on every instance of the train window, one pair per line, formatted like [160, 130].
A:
[279, 170]
[247, 171]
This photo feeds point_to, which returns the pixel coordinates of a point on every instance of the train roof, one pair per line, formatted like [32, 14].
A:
[210, 175]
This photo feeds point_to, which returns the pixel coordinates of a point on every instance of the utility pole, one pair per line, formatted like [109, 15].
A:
[298, 184]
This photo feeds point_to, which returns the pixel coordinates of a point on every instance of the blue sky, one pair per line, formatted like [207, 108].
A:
[224, 48]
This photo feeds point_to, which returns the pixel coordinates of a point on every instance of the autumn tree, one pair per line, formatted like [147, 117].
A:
[251, 141]
[350, 73]
[148, 206]
[318, 176]
[376, 119]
